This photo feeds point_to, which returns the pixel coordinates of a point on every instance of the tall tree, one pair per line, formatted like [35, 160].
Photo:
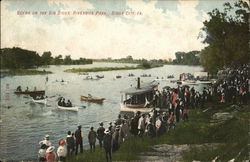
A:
[227, 36]
[46, 58]
[67, 60]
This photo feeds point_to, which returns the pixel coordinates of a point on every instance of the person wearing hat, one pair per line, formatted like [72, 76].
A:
[111, 127]
[119, 120]
[62, 150]
[50, 155]
[46, 141]
[79, 136]
[177, 110]
[107, 144]
[92, 139]
[115, 138]
[141, 125]
[70, 143]
[100, 134]
[42, 153]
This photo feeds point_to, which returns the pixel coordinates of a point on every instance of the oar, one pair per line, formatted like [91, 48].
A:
[81, 106]
[28, 102]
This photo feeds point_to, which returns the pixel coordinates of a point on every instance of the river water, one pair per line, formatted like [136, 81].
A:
[23, 124]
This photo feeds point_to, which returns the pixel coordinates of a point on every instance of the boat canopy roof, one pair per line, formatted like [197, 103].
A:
[145, 87]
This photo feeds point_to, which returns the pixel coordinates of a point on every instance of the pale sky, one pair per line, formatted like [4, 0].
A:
[164, 27]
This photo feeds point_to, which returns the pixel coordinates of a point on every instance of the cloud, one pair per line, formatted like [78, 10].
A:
[157, 34]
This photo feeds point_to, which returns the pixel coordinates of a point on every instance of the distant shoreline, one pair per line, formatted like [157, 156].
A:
[23, 72]
[98, 69]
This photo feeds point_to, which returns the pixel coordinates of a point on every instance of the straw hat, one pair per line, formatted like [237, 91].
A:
[46, 136]
[50, 149]
[107, 131]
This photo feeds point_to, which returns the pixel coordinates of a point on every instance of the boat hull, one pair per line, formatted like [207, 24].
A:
[30, 92]
[124, 108]
[43, 101]
[68, 108]
[85, 98]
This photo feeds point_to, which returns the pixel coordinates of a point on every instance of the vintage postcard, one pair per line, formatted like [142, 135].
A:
[124, 80]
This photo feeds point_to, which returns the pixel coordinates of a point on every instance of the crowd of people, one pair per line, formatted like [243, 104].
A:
[174, 104]
[235, 87]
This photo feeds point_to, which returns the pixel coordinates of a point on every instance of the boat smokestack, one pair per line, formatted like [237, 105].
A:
[138, 83]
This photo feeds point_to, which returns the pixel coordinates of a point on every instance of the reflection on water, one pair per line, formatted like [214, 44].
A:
[23, 123]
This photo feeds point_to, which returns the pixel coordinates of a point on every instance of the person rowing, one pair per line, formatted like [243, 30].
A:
[19, 89]
[69, 104]
[27, 89]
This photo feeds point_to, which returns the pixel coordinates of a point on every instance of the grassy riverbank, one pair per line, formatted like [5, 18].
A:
[97, 69]
[24, 72]
[232, 137]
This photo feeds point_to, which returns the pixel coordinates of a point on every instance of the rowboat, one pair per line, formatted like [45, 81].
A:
[30, 92]
[91, 99]
[118, 76]
[100, 76]
[42, 101]
[74, 108]
[91, 78]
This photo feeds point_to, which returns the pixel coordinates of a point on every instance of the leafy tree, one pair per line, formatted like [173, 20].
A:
[67, 60]
[14, 58]
[58, 60]
[146, 65]
[189, 58]
[46, 58]
[227, 35]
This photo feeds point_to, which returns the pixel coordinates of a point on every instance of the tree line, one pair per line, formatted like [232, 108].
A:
[187, 58]
[182, 58]
[15, 58]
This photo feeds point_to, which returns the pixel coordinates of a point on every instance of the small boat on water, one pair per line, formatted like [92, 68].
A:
[83, 73]
[41, 101]
[30, 92]
[91, 78]
[73, 108]
[193, 82]
[146, 75]
[187, 82]
[92, 99]
[170, 76]
[100, 76]
[118, 76]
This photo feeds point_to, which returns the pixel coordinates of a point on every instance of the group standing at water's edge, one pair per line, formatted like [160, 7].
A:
[181, 100]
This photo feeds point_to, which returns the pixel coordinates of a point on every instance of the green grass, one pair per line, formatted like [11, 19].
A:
[232, 137]
[97, 69]
[24, 72]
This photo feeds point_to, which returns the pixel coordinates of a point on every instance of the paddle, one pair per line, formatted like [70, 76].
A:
[27, 102]
[81, 106]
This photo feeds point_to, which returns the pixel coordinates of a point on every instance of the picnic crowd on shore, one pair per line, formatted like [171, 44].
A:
[174, 104]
